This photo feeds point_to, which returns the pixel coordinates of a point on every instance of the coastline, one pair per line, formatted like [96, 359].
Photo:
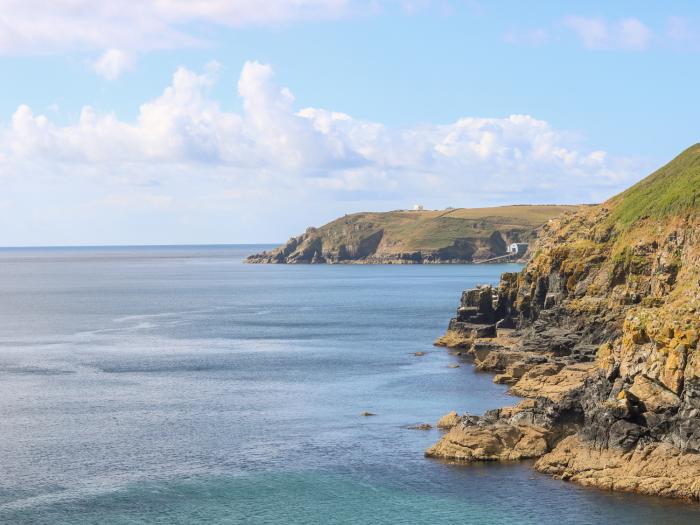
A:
[608, 394]
[398, 260]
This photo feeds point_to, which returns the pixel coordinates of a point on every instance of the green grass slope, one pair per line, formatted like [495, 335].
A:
[411, 231]
[672, 189]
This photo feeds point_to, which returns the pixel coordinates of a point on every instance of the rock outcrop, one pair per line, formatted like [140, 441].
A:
[449, 420]
[599, 333]
[416, 237]
[655, 469]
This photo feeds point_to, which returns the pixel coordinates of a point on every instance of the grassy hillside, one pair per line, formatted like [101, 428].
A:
[410, 231]
[672, 189]
[460, 234]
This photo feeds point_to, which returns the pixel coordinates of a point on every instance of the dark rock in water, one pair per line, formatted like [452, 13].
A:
[421, 426]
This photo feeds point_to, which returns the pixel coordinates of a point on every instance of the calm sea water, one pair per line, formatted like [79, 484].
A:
[178, 385]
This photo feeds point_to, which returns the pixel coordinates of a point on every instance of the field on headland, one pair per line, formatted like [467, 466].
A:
[421, 236]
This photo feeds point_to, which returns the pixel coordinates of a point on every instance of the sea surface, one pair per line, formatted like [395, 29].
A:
[177, 385]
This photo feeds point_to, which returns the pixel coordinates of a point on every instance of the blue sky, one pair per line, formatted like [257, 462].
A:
[292, 113]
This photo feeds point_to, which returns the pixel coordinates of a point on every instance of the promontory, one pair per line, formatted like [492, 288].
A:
[599, 334]
[453, 235]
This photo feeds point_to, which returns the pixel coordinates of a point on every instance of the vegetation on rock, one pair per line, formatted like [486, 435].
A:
[606, 320]
[671, 190]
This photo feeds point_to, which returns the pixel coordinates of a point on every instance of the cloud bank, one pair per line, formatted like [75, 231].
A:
[120, 29]
[272, 146]
[52, 26]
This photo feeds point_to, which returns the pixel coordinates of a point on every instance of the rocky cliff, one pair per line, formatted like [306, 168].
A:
[599, 333]
[409, 237]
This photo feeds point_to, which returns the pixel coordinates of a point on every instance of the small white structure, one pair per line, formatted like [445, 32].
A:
[417, 207]
[517, 248]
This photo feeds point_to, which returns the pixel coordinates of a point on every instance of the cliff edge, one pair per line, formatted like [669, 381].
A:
[599, 333]
[408, 237]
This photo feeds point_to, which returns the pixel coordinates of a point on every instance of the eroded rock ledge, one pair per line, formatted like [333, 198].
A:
[599, 334]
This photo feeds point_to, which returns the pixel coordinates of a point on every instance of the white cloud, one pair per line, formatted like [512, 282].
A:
[678, 33]
[117, 30]
[242, 12]
[53, 26]
[113, 63]
[272, 147]
[683, 33]
[633, 34]
[593, 32]
[597, 33]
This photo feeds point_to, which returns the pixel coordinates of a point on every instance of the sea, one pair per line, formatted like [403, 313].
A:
[178, 385]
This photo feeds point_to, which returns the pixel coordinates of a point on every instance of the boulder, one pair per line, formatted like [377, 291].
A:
[499, 442]
[653, 395]
[448, 420]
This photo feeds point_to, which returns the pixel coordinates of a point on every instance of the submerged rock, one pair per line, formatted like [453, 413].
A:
[421, 426]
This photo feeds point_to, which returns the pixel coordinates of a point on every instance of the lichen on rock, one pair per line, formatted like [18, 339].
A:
[600, 332]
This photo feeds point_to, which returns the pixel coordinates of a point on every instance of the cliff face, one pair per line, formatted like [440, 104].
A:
[600, 334]
[409, 237]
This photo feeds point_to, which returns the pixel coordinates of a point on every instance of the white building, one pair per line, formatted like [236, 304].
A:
[517, 248]
[417, 207]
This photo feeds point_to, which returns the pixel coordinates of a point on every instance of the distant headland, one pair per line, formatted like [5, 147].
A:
[418, 236]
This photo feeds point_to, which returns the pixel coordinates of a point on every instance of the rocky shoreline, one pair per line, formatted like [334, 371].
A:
[395, 259]
[599, 336]
[308, 249]
[398, 258]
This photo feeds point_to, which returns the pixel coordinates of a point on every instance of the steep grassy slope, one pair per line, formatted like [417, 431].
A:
[416, 236]
[672, 189]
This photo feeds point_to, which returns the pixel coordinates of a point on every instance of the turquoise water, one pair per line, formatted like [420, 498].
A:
[178, 385]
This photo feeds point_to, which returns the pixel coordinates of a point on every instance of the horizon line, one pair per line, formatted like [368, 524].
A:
[176, 245]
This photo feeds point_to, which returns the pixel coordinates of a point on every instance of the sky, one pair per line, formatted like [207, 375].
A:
[245, 121]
